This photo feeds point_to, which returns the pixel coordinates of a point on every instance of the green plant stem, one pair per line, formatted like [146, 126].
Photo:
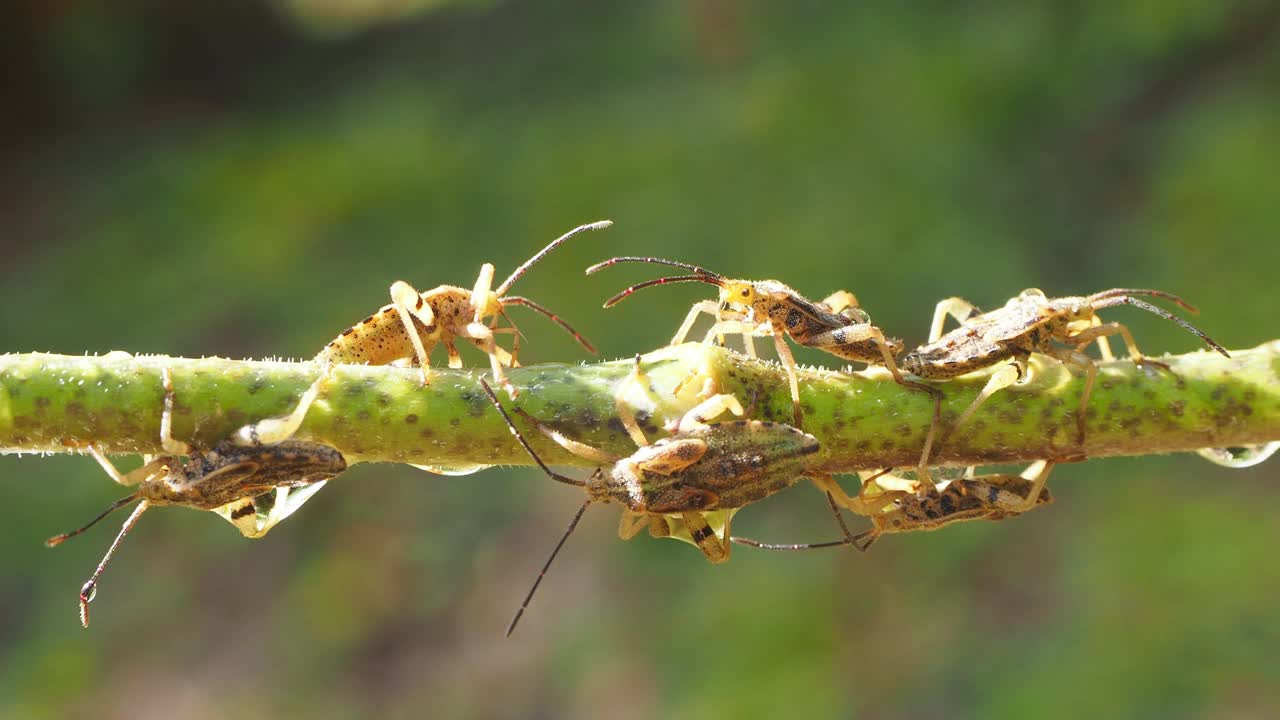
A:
[864, 420]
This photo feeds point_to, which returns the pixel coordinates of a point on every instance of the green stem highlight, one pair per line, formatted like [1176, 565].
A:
[60, 403]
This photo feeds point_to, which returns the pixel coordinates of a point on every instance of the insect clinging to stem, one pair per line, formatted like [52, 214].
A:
[1031, 323]
[750, 307]
[241, 483]
[701, 468]
[414, 323]
[900, 505]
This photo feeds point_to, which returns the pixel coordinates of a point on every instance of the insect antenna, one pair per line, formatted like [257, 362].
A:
[90, 589]
[573, 524]
[844, 529]
[519, 300]
[1127, 300]
[654, 261]
[525, 443]
[57, 540]
[855, 541]
[515, 274]
[860, 542]
[1152, 293]
[661, 281]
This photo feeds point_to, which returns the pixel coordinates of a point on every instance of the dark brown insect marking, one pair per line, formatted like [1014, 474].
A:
[701, 534]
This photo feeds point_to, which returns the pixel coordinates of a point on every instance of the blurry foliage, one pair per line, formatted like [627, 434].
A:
[221, 179]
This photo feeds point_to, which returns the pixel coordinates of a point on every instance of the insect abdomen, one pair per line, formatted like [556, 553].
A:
[377, 340]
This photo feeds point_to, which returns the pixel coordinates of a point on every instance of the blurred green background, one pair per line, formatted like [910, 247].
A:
[247, 179]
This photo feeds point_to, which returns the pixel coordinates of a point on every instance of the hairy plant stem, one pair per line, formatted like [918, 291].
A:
[60, 403]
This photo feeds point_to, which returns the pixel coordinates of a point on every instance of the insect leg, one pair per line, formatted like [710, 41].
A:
[859, 505]
[1038, 473]
[515, 337]
[451, 352]
[747, 330]
[658, 527]
[409, 305]
[631, 523]
[789, 362]
[482, 336]
[1104, 347]
[583, 450]
[865, 331]
[480, 293]
[1000, 379]
[844, 529]
[1102, 331]
[958, 308]
[278, 429]
[704, 536]
[1086, 363]
[709, 307]
[133, 477]
[708, 409]
[171, 446]
[623, 408]
[845, 304]
[893, 483]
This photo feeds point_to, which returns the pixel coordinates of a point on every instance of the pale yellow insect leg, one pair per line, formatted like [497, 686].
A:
[958, 308]
[409, 304]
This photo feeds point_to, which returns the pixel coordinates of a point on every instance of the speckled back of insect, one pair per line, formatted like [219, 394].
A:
[725, 465]
[1025, 324]
[228, 472]
[990, 497]
[381, 338]
[247, 484]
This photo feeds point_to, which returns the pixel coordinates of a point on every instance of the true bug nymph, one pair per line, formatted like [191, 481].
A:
[414, 323]
[701, 468]
[836, 325]
[1031, 323]
[899, 505]
[248, 485]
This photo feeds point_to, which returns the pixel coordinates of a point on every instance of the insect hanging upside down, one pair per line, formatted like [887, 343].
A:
[248, 485]
[702, 468]
[754, 307]
[414, 323]
[1031, 323]
[898, 505]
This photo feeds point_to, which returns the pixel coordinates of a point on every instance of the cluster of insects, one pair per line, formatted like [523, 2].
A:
[713, 459]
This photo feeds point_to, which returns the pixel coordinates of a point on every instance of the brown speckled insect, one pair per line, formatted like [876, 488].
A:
[409, 328]
[1031, 323]
[900, 505]
[702, 468]
[248, 485]
[750, 307]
